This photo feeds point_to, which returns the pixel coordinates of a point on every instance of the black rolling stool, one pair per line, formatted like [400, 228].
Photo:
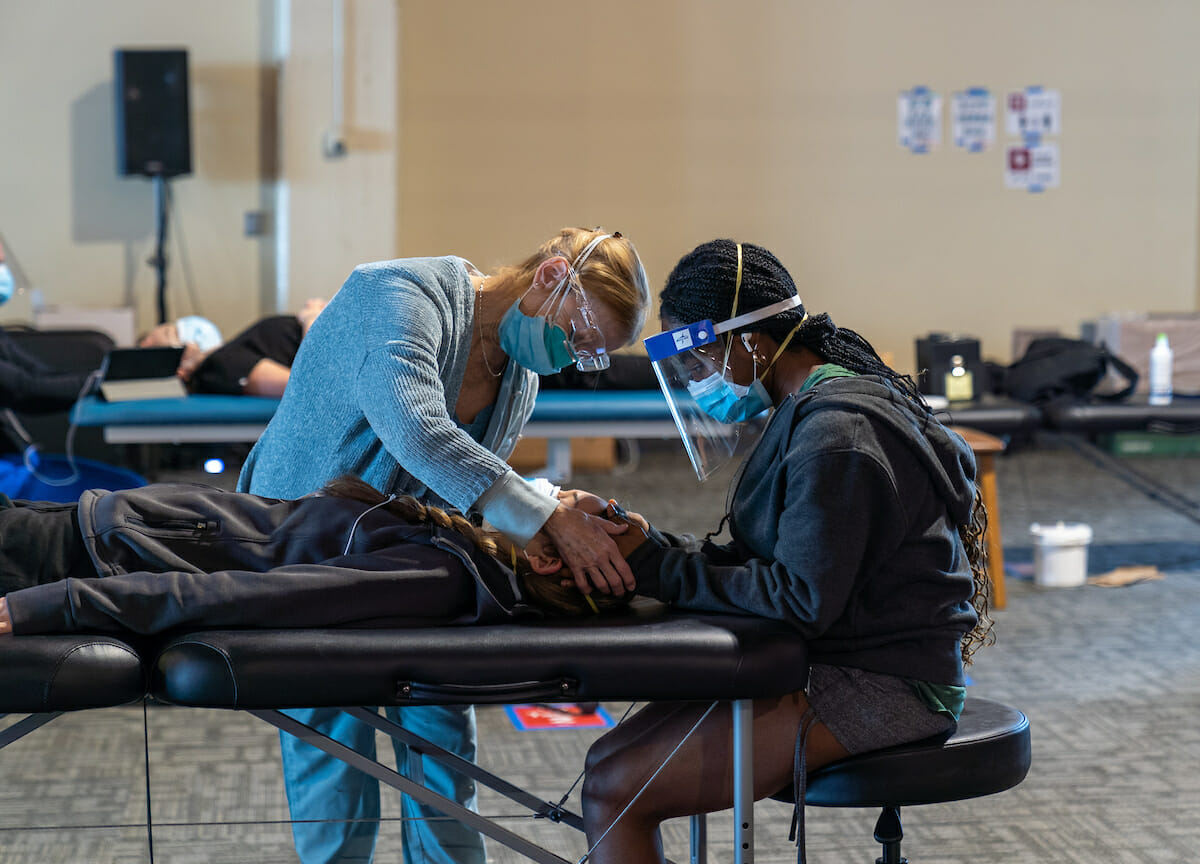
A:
[988, 753]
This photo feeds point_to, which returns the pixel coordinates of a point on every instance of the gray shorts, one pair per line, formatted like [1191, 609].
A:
[869, 710]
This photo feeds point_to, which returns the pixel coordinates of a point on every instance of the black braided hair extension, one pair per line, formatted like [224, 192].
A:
[701, 286]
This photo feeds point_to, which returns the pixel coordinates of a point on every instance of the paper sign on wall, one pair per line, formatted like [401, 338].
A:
[919, 115]
[1033, 111]
[1031, 167]
[973, 118]
[1032, 114]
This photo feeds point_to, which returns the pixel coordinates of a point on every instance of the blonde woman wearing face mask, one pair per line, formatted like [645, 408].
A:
[418, 377]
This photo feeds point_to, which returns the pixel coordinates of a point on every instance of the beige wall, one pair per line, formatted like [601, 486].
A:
[679, 121]
[478, 128]
[261, 74]
[336, 212]
[81, 233]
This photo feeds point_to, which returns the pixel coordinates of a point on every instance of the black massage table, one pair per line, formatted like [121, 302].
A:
[1181, 416]
[645, 655]
[641, 656]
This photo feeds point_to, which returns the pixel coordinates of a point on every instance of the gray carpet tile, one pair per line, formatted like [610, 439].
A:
[1110, 678]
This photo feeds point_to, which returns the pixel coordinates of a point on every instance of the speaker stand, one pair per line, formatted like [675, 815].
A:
[159, 259]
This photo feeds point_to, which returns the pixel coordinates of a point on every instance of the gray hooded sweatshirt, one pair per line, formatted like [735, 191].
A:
[844, 524]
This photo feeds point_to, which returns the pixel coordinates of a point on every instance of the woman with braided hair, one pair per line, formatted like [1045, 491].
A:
[174, 555]
[855, 518]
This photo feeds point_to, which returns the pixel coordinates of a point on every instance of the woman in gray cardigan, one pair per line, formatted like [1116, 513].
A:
[418, 377]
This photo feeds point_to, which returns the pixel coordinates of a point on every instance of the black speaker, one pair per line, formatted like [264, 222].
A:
[154, 135]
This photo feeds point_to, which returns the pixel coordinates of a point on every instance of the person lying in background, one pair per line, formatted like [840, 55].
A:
[172, 555]
[255, 362]
[195, 334]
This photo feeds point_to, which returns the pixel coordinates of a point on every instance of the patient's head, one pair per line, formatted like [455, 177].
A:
[545, 580]
[188, 330]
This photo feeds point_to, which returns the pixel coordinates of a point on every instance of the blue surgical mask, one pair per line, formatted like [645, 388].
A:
[727, 402]
[534, 342]
[7, 283]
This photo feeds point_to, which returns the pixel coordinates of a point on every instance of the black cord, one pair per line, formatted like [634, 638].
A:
[146, 744]
[184, 261]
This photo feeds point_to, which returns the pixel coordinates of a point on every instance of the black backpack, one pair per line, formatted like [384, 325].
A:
[1056, 368]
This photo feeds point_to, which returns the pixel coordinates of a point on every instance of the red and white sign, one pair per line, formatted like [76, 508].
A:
[567, 715]
[1032, 168]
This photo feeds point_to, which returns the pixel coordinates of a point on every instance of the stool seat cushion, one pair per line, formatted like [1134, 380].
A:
[988, 753]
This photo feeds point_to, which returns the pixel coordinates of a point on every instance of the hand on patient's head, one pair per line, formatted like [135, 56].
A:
[586, 545]
[551, 586]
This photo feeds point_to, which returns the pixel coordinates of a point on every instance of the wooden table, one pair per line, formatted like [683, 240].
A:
[985, 447]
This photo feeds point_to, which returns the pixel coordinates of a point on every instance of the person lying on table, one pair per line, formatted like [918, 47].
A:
[257, 361]
[173, 555]
[855, 519]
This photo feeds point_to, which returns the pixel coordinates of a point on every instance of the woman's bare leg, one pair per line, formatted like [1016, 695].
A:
[698, 779]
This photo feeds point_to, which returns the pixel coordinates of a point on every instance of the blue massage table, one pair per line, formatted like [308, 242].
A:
[558, 416]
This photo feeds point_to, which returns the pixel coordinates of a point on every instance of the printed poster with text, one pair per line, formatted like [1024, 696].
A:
[973, 119]
[919, 119]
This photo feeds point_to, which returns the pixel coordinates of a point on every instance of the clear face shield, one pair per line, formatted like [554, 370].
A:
[691, 363]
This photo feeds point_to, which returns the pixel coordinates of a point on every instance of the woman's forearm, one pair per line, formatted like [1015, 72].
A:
[5, 618]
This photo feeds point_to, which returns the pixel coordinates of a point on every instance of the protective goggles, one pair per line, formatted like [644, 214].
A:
[585, 341]
[685, 360]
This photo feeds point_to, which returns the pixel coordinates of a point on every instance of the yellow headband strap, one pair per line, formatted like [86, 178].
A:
[737, 289]
[782, 346]
[592, 603]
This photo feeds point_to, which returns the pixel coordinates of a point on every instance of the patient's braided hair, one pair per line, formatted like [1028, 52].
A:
[701, 288]
[548, 593]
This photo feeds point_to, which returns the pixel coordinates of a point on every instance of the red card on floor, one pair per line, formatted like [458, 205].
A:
[558, 715]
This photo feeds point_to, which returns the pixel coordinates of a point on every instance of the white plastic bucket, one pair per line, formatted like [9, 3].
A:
[1060, 554]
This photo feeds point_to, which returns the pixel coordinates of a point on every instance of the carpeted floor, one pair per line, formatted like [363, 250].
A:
[1110, 679]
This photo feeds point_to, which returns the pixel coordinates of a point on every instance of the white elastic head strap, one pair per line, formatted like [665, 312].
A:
[574, 271]
[587, 250]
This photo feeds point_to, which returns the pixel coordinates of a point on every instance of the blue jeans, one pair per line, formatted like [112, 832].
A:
[321, 787]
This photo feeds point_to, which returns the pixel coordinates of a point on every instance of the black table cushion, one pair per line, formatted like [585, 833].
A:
[628, 657]
[63, 673]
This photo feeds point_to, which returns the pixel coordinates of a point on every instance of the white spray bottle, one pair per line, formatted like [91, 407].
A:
[1161, 359]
